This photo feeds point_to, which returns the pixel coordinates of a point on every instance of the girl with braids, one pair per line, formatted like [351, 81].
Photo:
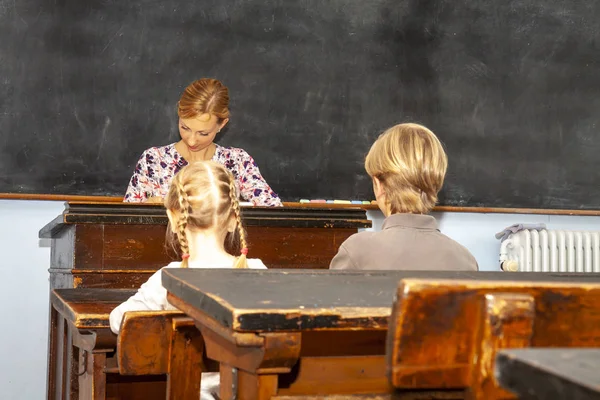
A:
[203, 111]
[204, 220]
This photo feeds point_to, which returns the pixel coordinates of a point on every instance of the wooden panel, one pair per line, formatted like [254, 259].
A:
[339, 361]
[295, 247]
[89, 242]
[149, 387]
[109, 279]
[132, 247]
[336, 375]
[340, 343]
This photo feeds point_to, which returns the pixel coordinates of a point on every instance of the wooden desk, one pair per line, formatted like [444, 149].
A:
[119, 245]
[295, 332]
[445, 333]
[550, 374]
[80, 320]
[158, 355]
[289, 332]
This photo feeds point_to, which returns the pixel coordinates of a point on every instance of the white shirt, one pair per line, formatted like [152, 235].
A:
[153, 296]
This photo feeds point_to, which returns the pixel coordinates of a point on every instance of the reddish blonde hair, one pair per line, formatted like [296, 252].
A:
[204, 96]
[410, 162]
[203, 195]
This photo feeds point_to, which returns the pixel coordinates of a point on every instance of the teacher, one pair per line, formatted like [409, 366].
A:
[203, 111]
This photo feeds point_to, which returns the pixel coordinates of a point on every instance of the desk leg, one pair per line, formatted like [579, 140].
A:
[255, 376]
[255, 386]
[53, 352]
[245, 385]
[94, 379]
[186, 363]
[62, 365]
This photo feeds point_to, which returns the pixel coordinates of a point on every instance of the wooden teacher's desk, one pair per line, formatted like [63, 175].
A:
[119, 245]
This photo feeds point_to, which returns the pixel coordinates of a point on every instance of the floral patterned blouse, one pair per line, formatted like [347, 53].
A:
[157, 166]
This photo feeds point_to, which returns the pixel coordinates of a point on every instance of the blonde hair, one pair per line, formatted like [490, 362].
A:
[203, 195]
[410, 163]
[204, 96]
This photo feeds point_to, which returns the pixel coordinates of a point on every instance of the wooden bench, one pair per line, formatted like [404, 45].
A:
[444, 334]
[550, 374]
[158, 354]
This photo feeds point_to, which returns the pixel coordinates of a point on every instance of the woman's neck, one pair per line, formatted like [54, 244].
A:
[204, 154]
[208, 248]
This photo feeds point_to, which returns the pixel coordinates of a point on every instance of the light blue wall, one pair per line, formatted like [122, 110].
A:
[25, 262]
[24, 292]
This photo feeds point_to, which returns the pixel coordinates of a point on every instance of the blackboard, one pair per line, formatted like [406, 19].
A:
[510, 87]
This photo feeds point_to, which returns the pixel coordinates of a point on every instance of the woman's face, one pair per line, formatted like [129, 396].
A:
[198, 133]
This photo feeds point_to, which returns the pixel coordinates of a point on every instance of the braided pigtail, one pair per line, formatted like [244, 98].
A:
[242, 260]
[182, 222]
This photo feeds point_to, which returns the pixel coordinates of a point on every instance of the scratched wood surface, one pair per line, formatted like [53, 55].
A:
[550, 374]
[445, 333]
[151, 214]
[87, 309]
[288, 299]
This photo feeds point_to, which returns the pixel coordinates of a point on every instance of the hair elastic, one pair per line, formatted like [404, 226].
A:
[245, 251]
[185, 256]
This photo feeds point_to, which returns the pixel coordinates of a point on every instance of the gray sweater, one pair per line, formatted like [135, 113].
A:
[405, 242]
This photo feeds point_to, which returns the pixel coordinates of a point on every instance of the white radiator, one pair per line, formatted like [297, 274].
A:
[551, 251]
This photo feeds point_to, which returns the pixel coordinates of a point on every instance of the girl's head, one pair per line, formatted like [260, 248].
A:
[203, 111]
[407, 164]
[203, 198]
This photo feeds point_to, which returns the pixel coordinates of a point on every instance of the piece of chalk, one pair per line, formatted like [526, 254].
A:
[304, 201]
[342, 202]
[330, 201]
[245, 204]
[356, 202]
[318, 201]
[366, 202]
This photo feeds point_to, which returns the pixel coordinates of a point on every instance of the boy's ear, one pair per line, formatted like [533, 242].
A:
[378, 187]
[171, 217]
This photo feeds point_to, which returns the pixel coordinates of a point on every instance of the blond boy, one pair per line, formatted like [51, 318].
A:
[407, 164]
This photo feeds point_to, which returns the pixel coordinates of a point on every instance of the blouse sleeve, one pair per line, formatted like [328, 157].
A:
[140, 184]
[253, 186]
[150, 296]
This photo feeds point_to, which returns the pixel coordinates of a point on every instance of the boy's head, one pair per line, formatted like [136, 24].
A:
[407, 164]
